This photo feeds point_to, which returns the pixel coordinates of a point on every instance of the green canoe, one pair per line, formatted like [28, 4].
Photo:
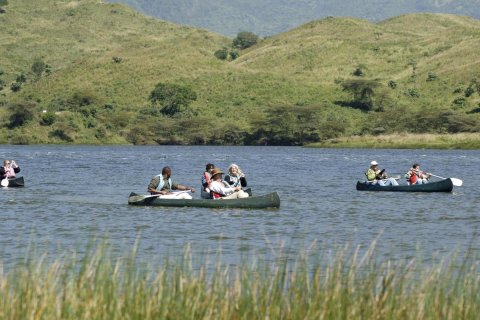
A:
[438, 186]
[16, 182]
[271, 200]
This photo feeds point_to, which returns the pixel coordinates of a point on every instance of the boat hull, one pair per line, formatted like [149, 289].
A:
[16, 182]
[438, 186]
[271, 200]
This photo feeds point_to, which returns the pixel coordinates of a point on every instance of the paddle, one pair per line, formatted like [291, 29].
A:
[456, 182]
[4, 182]
[139, 197]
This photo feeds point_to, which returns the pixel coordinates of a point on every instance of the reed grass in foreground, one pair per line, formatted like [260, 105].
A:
[405, 141]
[347, 286]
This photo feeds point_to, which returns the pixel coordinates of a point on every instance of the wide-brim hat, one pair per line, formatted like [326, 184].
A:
[374, 163]
[216, 171]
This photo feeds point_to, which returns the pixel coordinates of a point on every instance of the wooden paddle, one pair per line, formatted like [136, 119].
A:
[456, 182]
[139, 197]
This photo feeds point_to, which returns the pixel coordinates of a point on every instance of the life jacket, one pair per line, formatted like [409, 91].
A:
[161, 184]
[216, 195]
[412, 176]
[206, 180]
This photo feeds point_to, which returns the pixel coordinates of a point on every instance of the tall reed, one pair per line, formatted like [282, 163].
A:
[350, 284]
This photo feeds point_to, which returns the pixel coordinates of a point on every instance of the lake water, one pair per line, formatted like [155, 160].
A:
[76, 193]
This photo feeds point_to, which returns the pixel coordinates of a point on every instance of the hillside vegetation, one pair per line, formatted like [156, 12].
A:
[84, 72]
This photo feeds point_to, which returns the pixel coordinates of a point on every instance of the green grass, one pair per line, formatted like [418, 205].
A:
[301, 67]
[405, 141]
[346, 284]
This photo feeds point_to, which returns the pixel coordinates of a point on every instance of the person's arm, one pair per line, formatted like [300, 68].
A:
[218, 187]
[228, 180]
[243, 182]
[16, 170]
[184, 188]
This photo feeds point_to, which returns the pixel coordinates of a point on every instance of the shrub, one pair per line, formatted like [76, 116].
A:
[117, 59]
[21, 78]
[459, 101]
[221, 54]
[38, 67]
[469, 91]
[234, 54]
[392, 84]
[245, 40]
[173, 98]
[20, 114]
[48, 119]
[432, 76]
[412, 92]
[15, 87]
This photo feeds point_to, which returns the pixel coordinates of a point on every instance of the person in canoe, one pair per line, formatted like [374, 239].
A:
[207, 177]
[235, 177]
[220, 191]
[9, 169]
[375, 175]
[162, 184]
[417, 176]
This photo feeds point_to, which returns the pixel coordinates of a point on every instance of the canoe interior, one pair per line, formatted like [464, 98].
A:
[438, 186]
[271, 200]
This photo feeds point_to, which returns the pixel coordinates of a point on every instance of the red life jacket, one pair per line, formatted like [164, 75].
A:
[413, 177]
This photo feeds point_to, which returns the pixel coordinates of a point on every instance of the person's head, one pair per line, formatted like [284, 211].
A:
[373, 164]
[234, 169]
[6, 163]
[217, 174]
[209, 167]
[166, 172]
[416, 166]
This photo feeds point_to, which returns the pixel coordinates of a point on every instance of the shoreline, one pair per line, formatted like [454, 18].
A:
[466, 141]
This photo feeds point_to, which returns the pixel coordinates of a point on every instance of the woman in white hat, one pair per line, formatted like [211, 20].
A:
[375, 175]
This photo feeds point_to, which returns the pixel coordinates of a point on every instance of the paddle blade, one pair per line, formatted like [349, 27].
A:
[4, 183]
[456, 182]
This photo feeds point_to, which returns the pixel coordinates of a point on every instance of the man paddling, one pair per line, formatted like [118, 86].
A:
[163, 185]
[375, 175]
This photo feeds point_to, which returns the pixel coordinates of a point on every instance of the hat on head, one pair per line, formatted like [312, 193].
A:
[216, 171]
[374, 163]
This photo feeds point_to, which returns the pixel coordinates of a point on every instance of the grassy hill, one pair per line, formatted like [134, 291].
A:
[103, 61]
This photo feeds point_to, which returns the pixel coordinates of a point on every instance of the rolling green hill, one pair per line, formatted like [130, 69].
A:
[99, 63]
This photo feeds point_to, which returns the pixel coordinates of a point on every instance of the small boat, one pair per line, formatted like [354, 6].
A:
[15, 182]
[445, 185]
[270, 200]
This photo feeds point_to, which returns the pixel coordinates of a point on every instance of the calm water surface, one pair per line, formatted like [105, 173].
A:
[76, 193]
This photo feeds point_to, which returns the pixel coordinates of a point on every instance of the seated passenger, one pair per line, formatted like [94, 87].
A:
[207, 177]
[416, 176]
[220, 191]
[9, 169]
[235, 176]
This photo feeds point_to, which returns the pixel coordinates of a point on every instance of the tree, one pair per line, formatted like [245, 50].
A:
[172, 98]
[20, 114]
[363, 92]
[245, 40]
